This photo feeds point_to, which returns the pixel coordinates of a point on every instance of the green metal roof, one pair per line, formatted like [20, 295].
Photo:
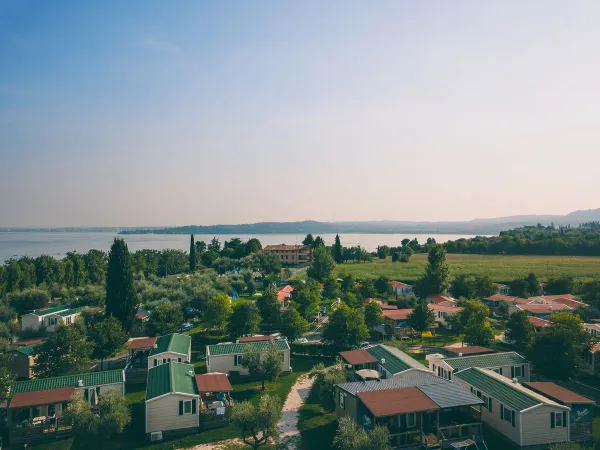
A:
[395, 360]
[171, 377]
[504, 391]
[27, 349]
[45, 312]
[174, 343]
[238, 348]
[70, 312]
[89, 379]
[490, 361]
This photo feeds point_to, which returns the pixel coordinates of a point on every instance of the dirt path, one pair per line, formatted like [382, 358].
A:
[288, 424]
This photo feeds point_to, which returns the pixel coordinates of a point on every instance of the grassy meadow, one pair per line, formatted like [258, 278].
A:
[501, 268]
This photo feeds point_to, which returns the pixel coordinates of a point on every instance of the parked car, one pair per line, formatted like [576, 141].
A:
[186, 327]
[301, 340]
[364, 345]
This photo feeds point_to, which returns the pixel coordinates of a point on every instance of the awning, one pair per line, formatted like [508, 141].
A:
[36, 398]
[213, 382]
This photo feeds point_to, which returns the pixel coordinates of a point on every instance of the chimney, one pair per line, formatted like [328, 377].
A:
[191, 372]
[460, 354]
[382, 361]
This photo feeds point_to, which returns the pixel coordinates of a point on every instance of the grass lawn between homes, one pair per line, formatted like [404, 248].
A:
[500, 268]
[243, 389]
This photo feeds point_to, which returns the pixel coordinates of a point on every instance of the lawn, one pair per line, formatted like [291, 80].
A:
[500, 268]
[317, 427]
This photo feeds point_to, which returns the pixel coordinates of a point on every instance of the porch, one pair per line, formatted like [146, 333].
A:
[215, 400]
[40, 430]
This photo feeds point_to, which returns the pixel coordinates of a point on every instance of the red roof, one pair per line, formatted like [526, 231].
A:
[42, 397]
[358, 357]
[29, 342]
[283, 295]
[399, 284]
[380, 303]
[451, 309]
[397, 314]
[556, 297]
[440, 299]
[141, 316]
[137, 344]
[537, 322]
[470, 350]
[213, 382]
[557, 392]
[569, 302]
[390, 402]
[541, 309]
[287, 288]
[256, 339]
[500, 297]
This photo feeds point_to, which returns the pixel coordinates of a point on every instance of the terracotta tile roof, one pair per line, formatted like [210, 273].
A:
[42, 397]
[380, 303]
[283, 295]
[29, 342]
[391, 402]
[270, 248]
[470, 350]
[213, 382]
[541, 309]
[256, 339]
[399, 284]
[500, 297]
[287, 288]
[557, 393]
[445, 308]
[397, 314]
[142, 343]
[440, 299]
[569, 302]
[358, 357]
[141, 316]
[552, 298]
[537, 322]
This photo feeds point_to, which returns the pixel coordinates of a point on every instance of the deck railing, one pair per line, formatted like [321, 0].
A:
[210, 418]
[48, 429]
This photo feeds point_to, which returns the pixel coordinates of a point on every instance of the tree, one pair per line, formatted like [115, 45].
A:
[484, 287]
[337, 250]
[293, 325]
[395, 256]
[111, 416]
[218, 310]
[557, 286]
[192, 254]
[257, 422]
[518, 288]
[120, 295]
[348, 283]
[590, 293]
[308, 240]
[462, 286]
[253, 246]
[28, 300]
[367, 289]
[533, 285]
[351, 437]
[475, 323]
[64, 352]
[331, 288]
[519, 330]
[319, 242]
[557, 351]
[268, 306]
[435, 278]
[382, 251]
[7, 378]
[405, 254]
[373, 315]
[346, 328]
[201, 295]
[265, 365]
[421, 318]
[214, 246]
[95, 266]
[322, 265]
[266, 262]
[108, 337]
[166, 318]
[325, 378]
[383, 286]
[306, 298]
[245, 320]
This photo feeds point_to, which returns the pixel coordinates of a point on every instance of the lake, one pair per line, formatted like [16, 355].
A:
[14, 244]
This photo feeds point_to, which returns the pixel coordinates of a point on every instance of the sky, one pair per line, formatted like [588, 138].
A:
[149, 113]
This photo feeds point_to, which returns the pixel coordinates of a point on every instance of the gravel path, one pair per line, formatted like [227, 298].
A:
[288, 424]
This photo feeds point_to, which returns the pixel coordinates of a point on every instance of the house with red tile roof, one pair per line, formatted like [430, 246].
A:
[395, 321]
[380, 303]
[542, 311]
[400, 288]
[291, 255]
[538, 323]
[444, 300]
[442, 311]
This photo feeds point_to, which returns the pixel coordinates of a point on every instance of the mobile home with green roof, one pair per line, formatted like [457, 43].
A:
[508, 364]
[22, 362]
[172, 347]
[36, 319]
[227, 357]
[523, 416]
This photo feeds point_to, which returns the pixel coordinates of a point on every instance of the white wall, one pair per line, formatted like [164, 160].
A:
[225, 363]
[167, 355]
[30, 321]
[162, 414]
[536, 426]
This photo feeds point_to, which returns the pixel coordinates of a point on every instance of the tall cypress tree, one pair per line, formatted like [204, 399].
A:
[337, 250]
[192, 254]
[120, 295]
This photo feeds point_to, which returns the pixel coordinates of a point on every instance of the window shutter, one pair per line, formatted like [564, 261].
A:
[512, 372]
[564, 419]
[181, 407]
[194, 406]
[155, 362]
[512, 418]
[523, 371]
[490, 404]
[502, 411]
[552, 421]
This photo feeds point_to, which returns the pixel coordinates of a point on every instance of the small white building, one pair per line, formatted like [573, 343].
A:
[441, 312]
[227, 357]
[172, 347]
[524, 417]
[508, 364]
[36, 319]
[400, 288]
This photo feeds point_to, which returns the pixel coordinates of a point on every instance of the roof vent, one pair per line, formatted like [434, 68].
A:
[155, 346]
[191, 372]
[80, 383]
[460, 354]
[514, 380]
[382, 360]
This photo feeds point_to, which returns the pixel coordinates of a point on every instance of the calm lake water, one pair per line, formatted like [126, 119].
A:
[57, 244]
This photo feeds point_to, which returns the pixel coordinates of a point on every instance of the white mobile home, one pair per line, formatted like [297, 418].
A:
[227, 357]
[172, 347]
[36, 319]
[528, 419]
[508, 364]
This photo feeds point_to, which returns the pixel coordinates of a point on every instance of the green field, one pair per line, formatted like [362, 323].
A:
[501, 268]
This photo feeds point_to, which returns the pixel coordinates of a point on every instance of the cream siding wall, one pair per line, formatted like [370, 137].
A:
[22, 365]
[30, 321]
[506, 370]
[536, 426]
[350, 405]
[167, 356]
[119, 387]
[225, 364]
[162, 414]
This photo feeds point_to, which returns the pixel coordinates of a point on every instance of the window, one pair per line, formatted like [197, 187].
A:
[507, 415]
[487, 402]
[164, 360]
[498, 370]
[342, 400]
[411, 420]
[178, 359]
[155, 362]
[558, 420]
[187, 407]
[517, 372]
[237, 360]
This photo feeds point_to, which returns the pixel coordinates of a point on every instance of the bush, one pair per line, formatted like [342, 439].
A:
[313, 349]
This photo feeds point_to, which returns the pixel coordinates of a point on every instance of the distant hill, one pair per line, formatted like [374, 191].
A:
[475, 226]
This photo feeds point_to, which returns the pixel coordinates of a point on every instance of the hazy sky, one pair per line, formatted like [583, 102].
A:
[124, 113]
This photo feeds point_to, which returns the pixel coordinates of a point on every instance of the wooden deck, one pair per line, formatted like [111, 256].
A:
[48, 430]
